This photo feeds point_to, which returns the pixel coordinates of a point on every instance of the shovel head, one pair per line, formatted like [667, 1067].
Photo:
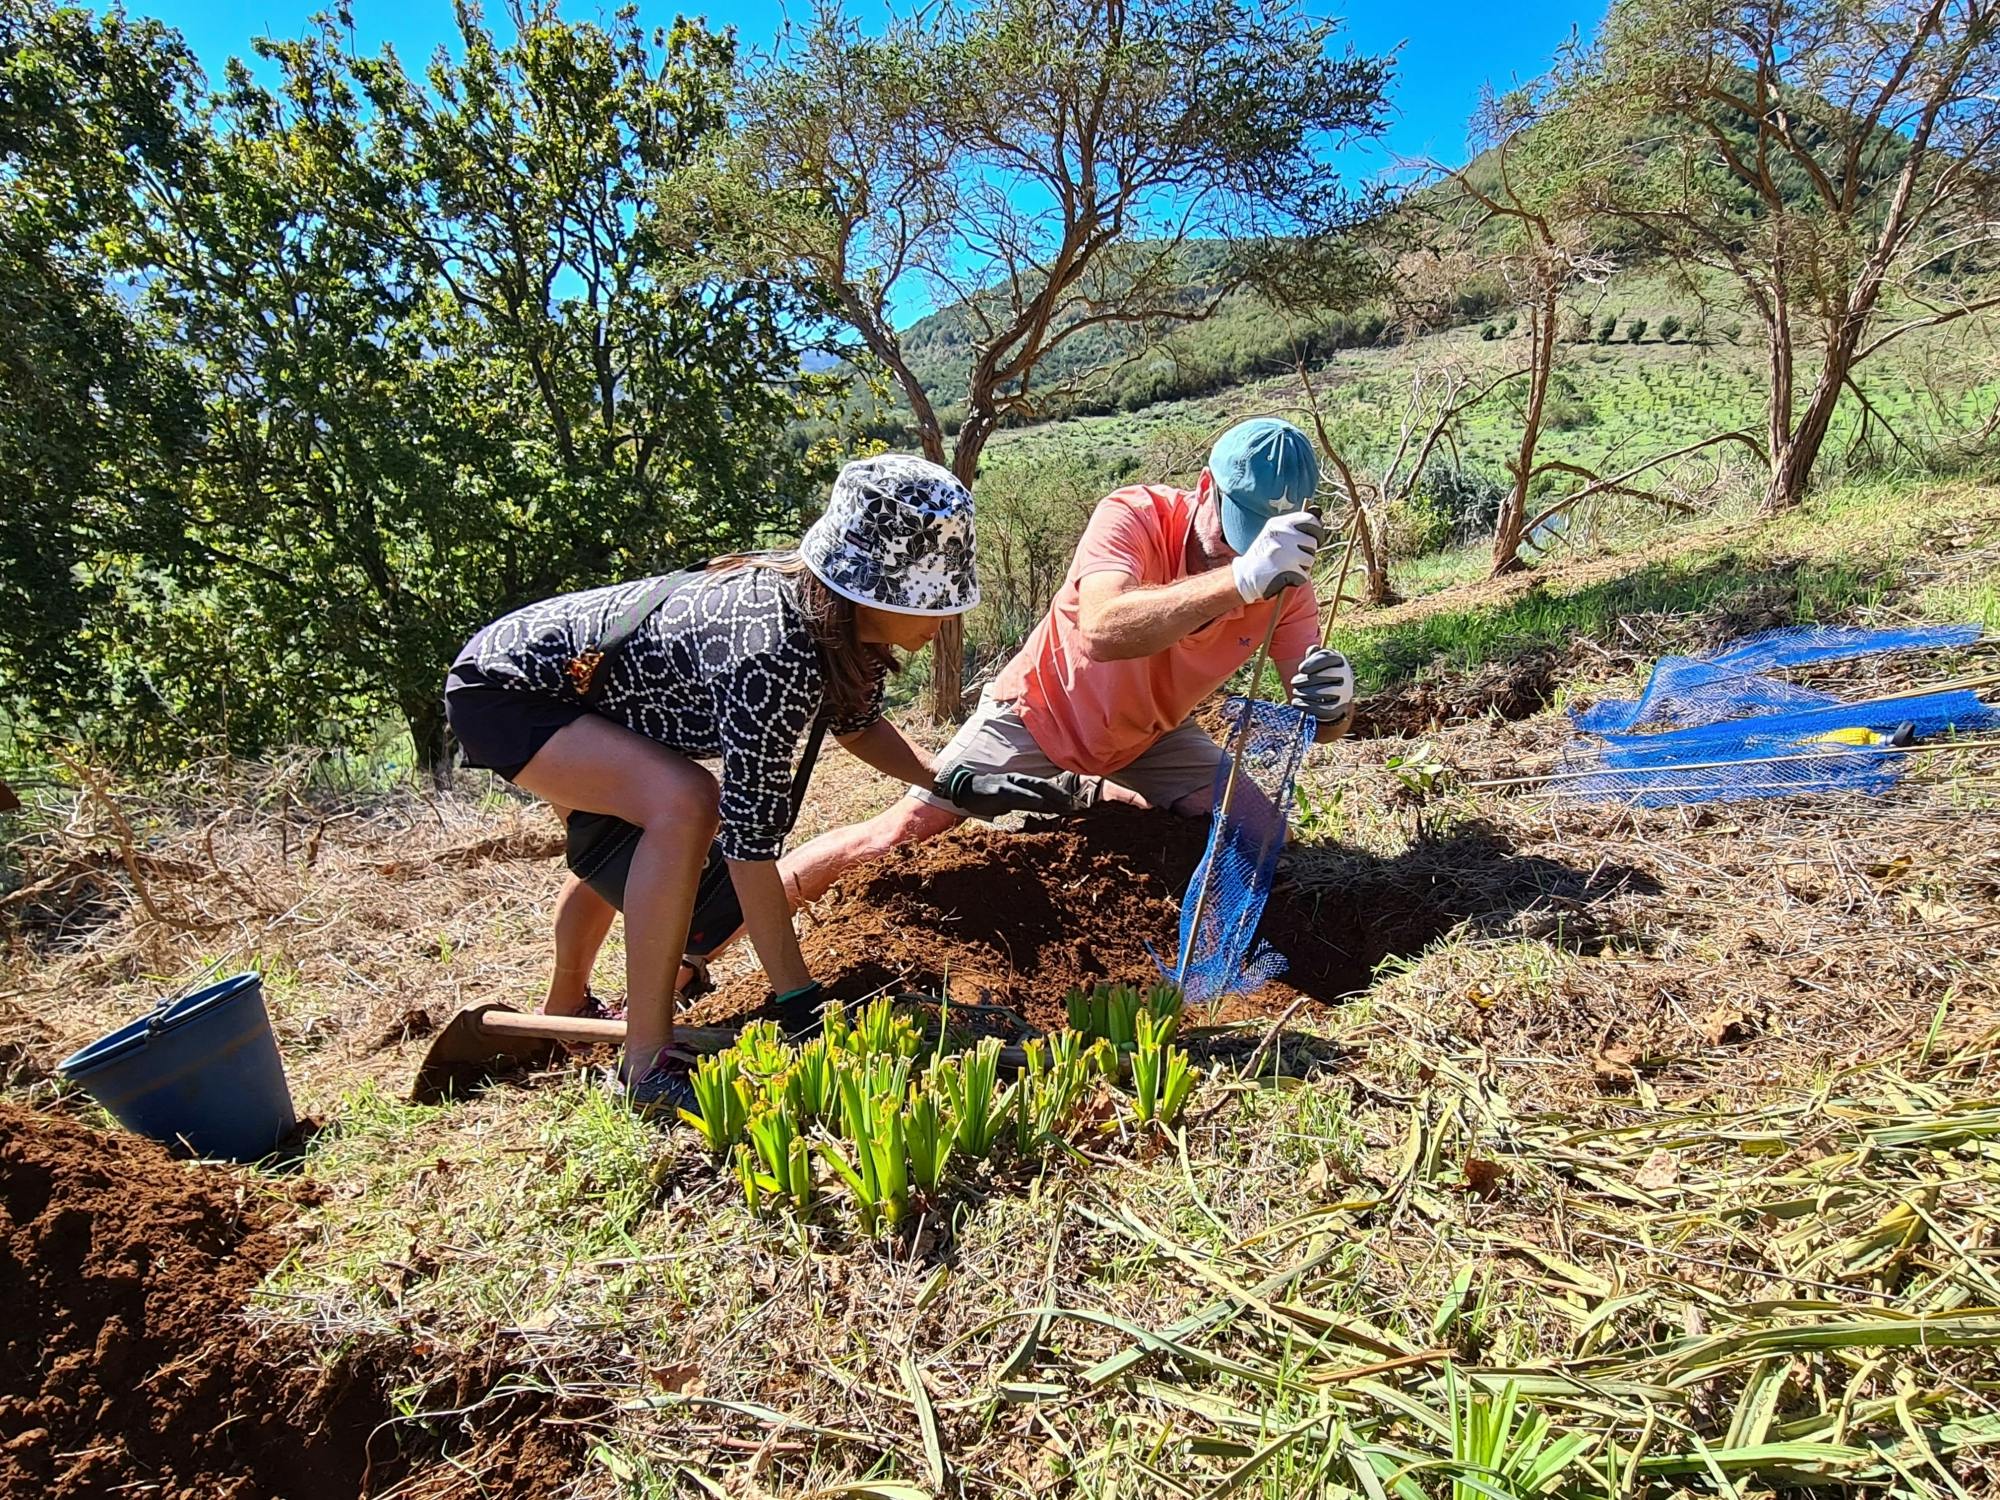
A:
[463, 1056]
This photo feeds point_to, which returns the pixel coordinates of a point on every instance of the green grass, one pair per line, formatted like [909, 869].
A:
[1976, 602]
[1841, 555]
[572, 1187]
[1633, 400]
[1551, 619]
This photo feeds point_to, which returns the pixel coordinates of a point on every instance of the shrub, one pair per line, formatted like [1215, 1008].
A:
[844, 1121]
[1669, 326]
[1607, 327]
[722, 1097]
[1567, 410]
[1031, 513]
[1162, 1078]
[1635, 330]
[976, 1104]
[1732, 331]
[1451, 507]
[1479, 297]
[1489, 332]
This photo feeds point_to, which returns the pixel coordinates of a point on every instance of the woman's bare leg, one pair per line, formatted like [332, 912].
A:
[602, 767]
[583, 921]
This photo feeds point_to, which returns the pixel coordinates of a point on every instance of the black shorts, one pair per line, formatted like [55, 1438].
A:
[501, 728]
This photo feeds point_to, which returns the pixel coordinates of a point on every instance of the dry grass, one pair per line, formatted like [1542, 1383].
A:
[1683, 1139]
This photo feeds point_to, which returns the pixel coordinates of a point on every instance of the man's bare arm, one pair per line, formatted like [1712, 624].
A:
[1121, 618]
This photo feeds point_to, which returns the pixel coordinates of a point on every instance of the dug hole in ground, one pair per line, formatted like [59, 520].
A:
[1686, 1112]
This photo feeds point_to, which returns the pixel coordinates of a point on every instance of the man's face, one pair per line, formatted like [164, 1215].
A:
[1207, 525]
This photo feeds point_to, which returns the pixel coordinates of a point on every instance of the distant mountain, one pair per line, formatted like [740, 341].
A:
[1243, 339]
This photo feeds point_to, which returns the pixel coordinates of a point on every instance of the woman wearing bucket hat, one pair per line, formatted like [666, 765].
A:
[603, 702]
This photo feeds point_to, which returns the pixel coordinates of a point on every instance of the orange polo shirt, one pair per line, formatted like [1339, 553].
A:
[1099, 716]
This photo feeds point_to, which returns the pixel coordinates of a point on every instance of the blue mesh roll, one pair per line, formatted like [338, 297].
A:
[1225, 900]
[1685, 691]
[1766, 755]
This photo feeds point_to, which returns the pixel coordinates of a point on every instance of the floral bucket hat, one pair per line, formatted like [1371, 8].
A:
[897, 534]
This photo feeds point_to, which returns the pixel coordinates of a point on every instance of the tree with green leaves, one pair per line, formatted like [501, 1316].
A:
[476, 365]
[97, 422]
[1046, 168]
[452, 357]
[1840, 161]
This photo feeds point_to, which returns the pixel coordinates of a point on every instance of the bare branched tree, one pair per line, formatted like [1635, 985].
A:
[1523, 205]
[1840, 161]
[1050, 170]
[1438, 396]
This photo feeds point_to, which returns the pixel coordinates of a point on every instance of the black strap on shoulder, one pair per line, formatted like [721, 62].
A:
[586, 669]
[814, 739]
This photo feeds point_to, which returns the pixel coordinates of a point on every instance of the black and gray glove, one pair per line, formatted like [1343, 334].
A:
[1324, 686]
[798, 1010]
[991, 796]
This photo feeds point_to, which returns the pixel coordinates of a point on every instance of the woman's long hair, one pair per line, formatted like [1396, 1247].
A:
[853, 666]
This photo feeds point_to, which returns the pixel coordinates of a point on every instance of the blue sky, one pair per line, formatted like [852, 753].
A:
[1450, 47]
[1449, 50]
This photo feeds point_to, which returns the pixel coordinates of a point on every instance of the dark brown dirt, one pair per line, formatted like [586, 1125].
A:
[1018, 918]
[126, 1365]
[1501, 689]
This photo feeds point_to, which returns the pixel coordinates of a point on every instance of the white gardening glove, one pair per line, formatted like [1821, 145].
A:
[1281, 557]
[1323, 686]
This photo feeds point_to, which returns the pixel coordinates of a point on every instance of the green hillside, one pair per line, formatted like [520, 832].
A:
[1247, 340]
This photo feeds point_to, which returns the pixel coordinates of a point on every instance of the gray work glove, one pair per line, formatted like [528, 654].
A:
[1281, 557]
[1324, 686]
[990, 796]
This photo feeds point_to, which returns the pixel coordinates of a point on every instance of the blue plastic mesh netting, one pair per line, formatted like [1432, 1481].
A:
[1723, 732]
[1688, 690]
[1233, 880]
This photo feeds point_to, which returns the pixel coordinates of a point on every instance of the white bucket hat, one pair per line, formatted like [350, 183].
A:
[897, 534]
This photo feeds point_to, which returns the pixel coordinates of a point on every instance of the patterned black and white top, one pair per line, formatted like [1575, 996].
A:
[724, 668]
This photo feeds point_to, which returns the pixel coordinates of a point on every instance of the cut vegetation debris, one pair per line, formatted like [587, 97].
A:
[1580, 1151]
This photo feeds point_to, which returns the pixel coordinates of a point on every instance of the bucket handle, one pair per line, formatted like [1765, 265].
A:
[156, 1018]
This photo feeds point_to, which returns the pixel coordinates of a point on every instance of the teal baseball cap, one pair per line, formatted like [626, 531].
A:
[1262, 468]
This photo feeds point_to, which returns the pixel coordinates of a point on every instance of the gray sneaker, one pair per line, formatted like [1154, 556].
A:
[661, 1095]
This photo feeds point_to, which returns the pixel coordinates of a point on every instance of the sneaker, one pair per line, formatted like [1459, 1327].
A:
[662, 1094]
[663, 1090]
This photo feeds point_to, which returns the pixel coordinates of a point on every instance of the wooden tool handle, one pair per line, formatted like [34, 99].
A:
[587, 1029]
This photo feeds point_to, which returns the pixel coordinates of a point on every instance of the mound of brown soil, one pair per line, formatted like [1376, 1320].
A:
[126, 1365]
[1017, 918]
[1512, 689]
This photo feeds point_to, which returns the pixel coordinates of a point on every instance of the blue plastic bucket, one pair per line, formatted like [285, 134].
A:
[200, 1072]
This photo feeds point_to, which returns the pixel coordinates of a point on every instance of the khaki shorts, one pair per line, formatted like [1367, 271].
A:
[994, 740]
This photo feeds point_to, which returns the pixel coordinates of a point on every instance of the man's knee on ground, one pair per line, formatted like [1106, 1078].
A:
[910, 821]
[1194, 804]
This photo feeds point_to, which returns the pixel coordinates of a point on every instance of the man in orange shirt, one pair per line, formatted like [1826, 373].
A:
[1169, 593]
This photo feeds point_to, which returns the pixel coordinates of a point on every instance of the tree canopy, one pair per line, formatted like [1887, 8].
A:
[435, 351]
[1043, 167]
